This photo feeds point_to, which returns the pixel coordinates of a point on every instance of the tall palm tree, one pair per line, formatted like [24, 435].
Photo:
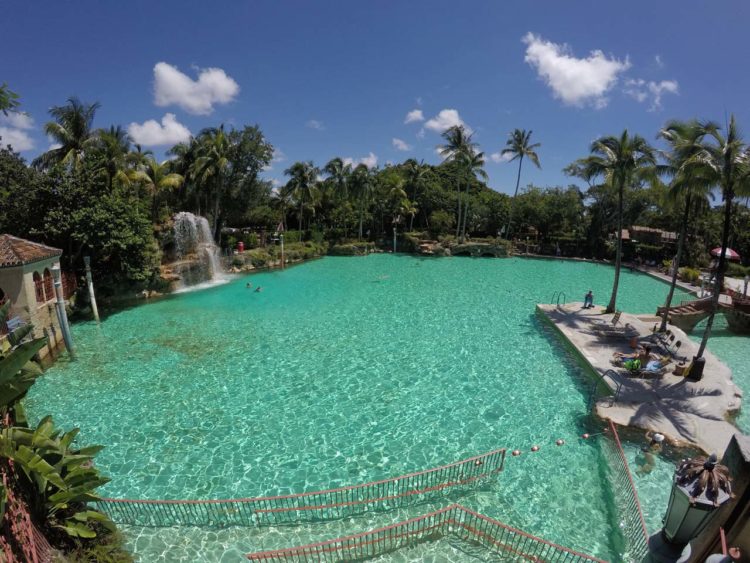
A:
[158, 178]
[338, 173]
[457, 143]
[302, 185]
[363, 186]
[211, 169]
[416, 176]
[72, 130]
[520, 147]
[472, 163]
[691, 181]
[113, 146]
[623, 162]
[729, 161]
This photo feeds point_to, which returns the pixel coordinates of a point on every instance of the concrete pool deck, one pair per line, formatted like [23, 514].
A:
[687, 412]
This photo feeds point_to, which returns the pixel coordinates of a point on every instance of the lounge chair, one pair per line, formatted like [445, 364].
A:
[603, 328]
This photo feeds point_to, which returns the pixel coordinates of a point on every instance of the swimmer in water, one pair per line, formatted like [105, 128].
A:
[258, 289]
[248, 285]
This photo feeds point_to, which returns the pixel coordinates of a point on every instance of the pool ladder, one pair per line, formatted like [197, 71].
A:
[613, 395]
[556, 296]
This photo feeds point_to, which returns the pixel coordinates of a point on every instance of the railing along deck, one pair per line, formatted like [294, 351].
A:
[304, 507]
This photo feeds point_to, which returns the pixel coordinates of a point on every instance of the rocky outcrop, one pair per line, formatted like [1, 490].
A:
[479, 249]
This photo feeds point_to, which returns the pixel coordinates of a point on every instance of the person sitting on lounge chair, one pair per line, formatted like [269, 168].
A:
[643, 355]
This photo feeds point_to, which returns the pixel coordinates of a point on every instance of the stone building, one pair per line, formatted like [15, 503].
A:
[26, 281]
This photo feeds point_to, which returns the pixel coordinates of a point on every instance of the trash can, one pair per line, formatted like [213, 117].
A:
[696, 369]
[240, 246]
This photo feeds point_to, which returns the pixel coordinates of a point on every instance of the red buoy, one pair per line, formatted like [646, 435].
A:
[534, 448]
[560, 442]
[516, 453]
[585, 436]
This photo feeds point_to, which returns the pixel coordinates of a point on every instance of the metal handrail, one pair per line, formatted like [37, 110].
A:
[557, 295]
[614, 376]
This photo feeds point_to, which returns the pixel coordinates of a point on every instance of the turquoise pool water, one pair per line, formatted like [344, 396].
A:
[347, 370]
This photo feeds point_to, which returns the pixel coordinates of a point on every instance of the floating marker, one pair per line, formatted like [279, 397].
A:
[534, 448]
[560, 442]
[585, 436]
[516, 453]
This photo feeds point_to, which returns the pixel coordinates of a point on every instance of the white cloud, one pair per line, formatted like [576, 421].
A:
[413, 116]
[658, 61]
[54, 146]
[370, 160]
[420, 133]
[640, 90]
[152, 133]
[500, 157]
[575, 81]
[444, 120]
[198, 97]
[315, 124]
[400, 145]
[16, 138]
[14, 129]
[441, 155]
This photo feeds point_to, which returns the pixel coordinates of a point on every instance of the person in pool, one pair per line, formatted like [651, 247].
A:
[258, 289]
[646, 460]
[248, 285]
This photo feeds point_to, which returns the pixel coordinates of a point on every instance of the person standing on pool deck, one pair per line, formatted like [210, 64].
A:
[588, 300]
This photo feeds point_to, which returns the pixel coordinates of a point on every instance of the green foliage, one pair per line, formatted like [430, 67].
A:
[8, 99]
[735, 270]
[440, 222]
[689, 275]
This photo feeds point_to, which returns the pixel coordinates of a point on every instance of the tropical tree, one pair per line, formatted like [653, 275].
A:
[211, 168]
[520, 147]
[302, 185]
[158, 178]
[472, 163]
[113, 148]
[338, 173]
[728, 159]
[8, 99]
[691, 182]
[363, 185]
[457, 144]
[416, 179]
[623, 162]
[72, 130]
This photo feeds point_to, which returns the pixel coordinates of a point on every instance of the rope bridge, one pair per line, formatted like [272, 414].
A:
[305, 507]
[633, 524]
[453, 521]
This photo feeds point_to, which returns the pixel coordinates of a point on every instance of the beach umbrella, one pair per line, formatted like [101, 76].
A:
[730, 254]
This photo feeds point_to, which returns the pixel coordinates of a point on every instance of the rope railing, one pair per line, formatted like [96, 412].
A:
[305, 507]
[455, 520]
[633, 524]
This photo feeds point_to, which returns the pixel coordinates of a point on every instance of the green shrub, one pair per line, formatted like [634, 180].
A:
[689, 274]
[251, 240]
[735, 270]
[292, 236]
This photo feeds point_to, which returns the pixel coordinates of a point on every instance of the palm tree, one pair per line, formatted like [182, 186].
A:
[691, 181]
[338, 174]
[113, 146]
[211, 168]
[72, 130]
[623, 162]
[518, 145]
[416, 176]
[157, 178]
[302, 185]
[728, 159]
[363, 187]
[458, 143]
[473, 164]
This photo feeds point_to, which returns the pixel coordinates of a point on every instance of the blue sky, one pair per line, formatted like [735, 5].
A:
[338, 78]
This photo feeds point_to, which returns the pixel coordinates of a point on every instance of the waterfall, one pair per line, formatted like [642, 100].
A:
[197, 255]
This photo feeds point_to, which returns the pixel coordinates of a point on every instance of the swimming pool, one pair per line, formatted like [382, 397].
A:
[346, 370]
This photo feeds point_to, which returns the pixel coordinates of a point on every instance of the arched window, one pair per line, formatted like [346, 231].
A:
[49, 286]
[39, 288]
